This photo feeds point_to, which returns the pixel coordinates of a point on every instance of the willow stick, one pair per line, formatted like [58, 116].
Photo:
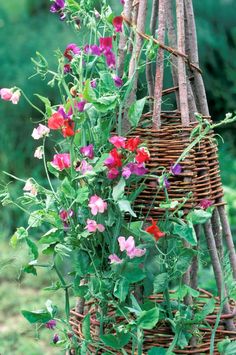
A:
[149, 69]
[159, 66]
[195, 262]
[123, 39]
[172, 41]
[135, 7]
[218, 273]
[217, 231]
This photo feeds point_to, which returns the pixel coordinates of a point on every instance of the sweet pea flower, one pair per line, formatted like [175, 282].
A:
[38, 153]
[15, 97]
[117, 80]
[61, 161]
[40, 132]
[92, 49]
[122, 2]
[92, 226]
[71, 50]
[166, 183]
[84, 167]
[142, 155]
[68, 128]
[205, 203]
[117, 23]
[10, 95]
[129, 246]
[56, 121]
[118, 141]
[97, 205]
[80, 105]
[114, 259]
[93, 83]
[51, 324]
[132, 143]
[55, 338]
[113, 173]
[105, 44]
[176, 169]
[67, 68]
[30, 187]
[114, 159]
[154, 230]
[57, 5]
[134, 168]
[110, 59]
[88, 151]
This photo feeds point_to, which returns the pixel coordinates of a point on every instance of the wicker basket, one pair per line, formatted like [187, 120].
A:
[200, 170]
[161, 335]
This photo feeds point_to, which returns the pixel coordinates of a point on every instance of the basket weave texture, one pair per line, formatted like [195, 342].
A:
[161, 335]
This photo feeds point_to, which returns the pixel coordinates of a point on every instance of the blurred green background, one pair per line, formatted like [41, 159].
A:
[27, 26]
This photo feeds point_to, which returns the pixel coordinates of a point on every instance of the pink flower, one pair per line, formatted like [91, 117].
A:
[61, 161]
[80, 106]
[113, 173]
[117, 23]
[129, 246]
[114, 259]
[93, 83]
[30, 187]
[40, 132]
[117, 80]
[105, 43]
[122, 2]
[134, 168]
[65, 215]
[92, 226]
[205, 203]
[38, 153]
[118, 141]
[15, 97]
[110, 59]
[87, 151]
[71, 50]
[10, 95]
[84, 167]
[97, 205]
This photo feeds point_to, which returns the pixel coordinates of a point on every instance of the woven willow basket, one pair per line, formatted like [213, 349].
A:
[200, 174]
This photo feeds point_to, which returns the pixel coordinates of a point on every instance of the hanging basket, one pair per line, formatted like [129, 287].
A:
[161, 335]
[200, 176]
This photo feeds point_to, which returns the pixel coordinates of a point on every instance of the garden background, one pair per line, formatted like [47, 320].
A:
[27, 26]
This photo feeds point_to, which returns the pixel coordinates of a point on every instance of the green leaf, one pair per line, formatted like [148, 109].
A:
[125, 206]
[118, 190]
[185, 232]
[33, 248]
[52, 236]
[135, 111]
[199, 216]
[67, 189]
[133, 273]
[157, 351]
[82, 194]
[184, 261]
[160, 282]
[30, 269]
[148, 319]
[121, 289]
[117, 341]
[230, 349]
[36, 218]
[47, 104]
[21, 233]
[106, 103]
[82, 262]
[207, 309]
[222, 345]
[88, 93]
[86, 327]
[40, 316]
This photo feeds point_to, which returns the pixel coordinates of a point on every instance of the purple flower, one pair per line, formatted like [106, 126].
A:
[205, 203]
[92, 49]
[57, 5]
[114, 259]
[84, 167]
[80, 106]
[176, 169]
[113, 173]
[71, 50]
[134, 168]
[62, 111]
[51, 324]
[110, 59]
[93, 83]
[105, 44]
[67, 68]
[87, 151]
[118, 81]
[166, 183]
[55, 338]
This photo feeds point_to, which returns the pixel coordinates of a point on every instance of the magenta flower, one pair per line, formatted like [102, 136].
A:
[71, 50]
[134, 168]
[55, 338]
[38, 152]
[97, 205]
[92, 226]
[30, 188]
[88, 151]
[61, 161]
[205, 203]
[113, 173]
[80, 105]
[118, 141]
[129, 246]
[114, 259]
[117, 23]
[118, 81]
[51, 324]
[110, 59]
[40, 132]
[122, 2]
[92, 49]
[57, 5]
[67, 68]
[93, 83]
[65, 215]
[176, 169]
[105, 44]
[84, 167]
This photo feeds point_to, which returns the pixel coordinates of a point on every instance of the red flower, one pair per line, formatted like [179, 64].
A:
[114, 159]
[117, 23]
[142, 155]
[68, 128]
[56, 121]
[132, 143]
[154, 230]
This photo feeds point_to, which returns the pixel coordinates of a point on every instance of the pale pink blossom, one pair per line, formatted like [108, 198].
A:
[6, 94]
[61, 161]
[30, 187]
[118, 141]
[97, 205]
[92, 226]
[84, 167]
[114, 259]
[15, 97]
[129, 246]
[40, 132]
[39, 152]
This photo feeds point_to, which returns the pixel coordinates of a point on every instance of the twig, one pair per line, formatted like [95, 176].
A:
[123, 39]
